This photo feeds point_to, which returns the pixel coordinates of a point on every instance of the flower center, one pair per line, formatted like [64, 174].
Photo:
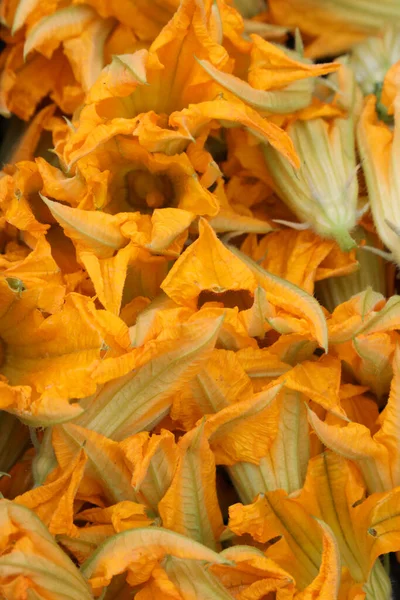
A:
[148, 191]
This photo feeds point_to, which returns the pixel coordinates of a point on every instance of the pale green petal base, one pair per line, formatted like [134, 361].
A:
[378, 586]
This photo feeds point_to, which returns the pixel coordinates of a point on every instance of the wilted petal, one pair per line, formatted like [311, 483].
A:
[379, 517]
[272, 71]
[24, 147]
[26, 83]
[14, 193]
[85, 51]
[351, 317]
[319, 381]
[45, 366]
[373, 451]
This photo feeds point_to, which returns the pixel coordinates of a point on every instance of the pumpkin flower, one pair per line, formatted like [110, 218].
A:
[139, 551]
[324, 192]
[280, 81]
[363, 333]
[221, 382]
[149, 376]
[190, 505]
[333, 27]
[126, 98]
[306, 546]
[60, 49]
[332, 497]
[377, 144]
[152, 460]
[40, 369]
[126, 178]
[376, 453]
[53, 501]
[256, 436]
[306, 260]
[371, 59]
[285, 457]
[103, 247]
[253, 574]
[31, 562]
[23, 85]
[333, 492]
[178, 412]
[219, 268]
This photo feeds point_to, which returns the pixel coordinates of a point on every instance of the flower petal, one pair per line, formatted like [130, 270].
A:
[50, 31]
[190, 506]
[53, 501]
[140, 550]
[244, 431]
[215, 269]
[167, 367]
[35, 559]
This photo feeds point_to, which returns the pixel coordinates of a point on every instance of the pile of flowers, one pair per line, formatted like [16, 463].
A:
[199, 326]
